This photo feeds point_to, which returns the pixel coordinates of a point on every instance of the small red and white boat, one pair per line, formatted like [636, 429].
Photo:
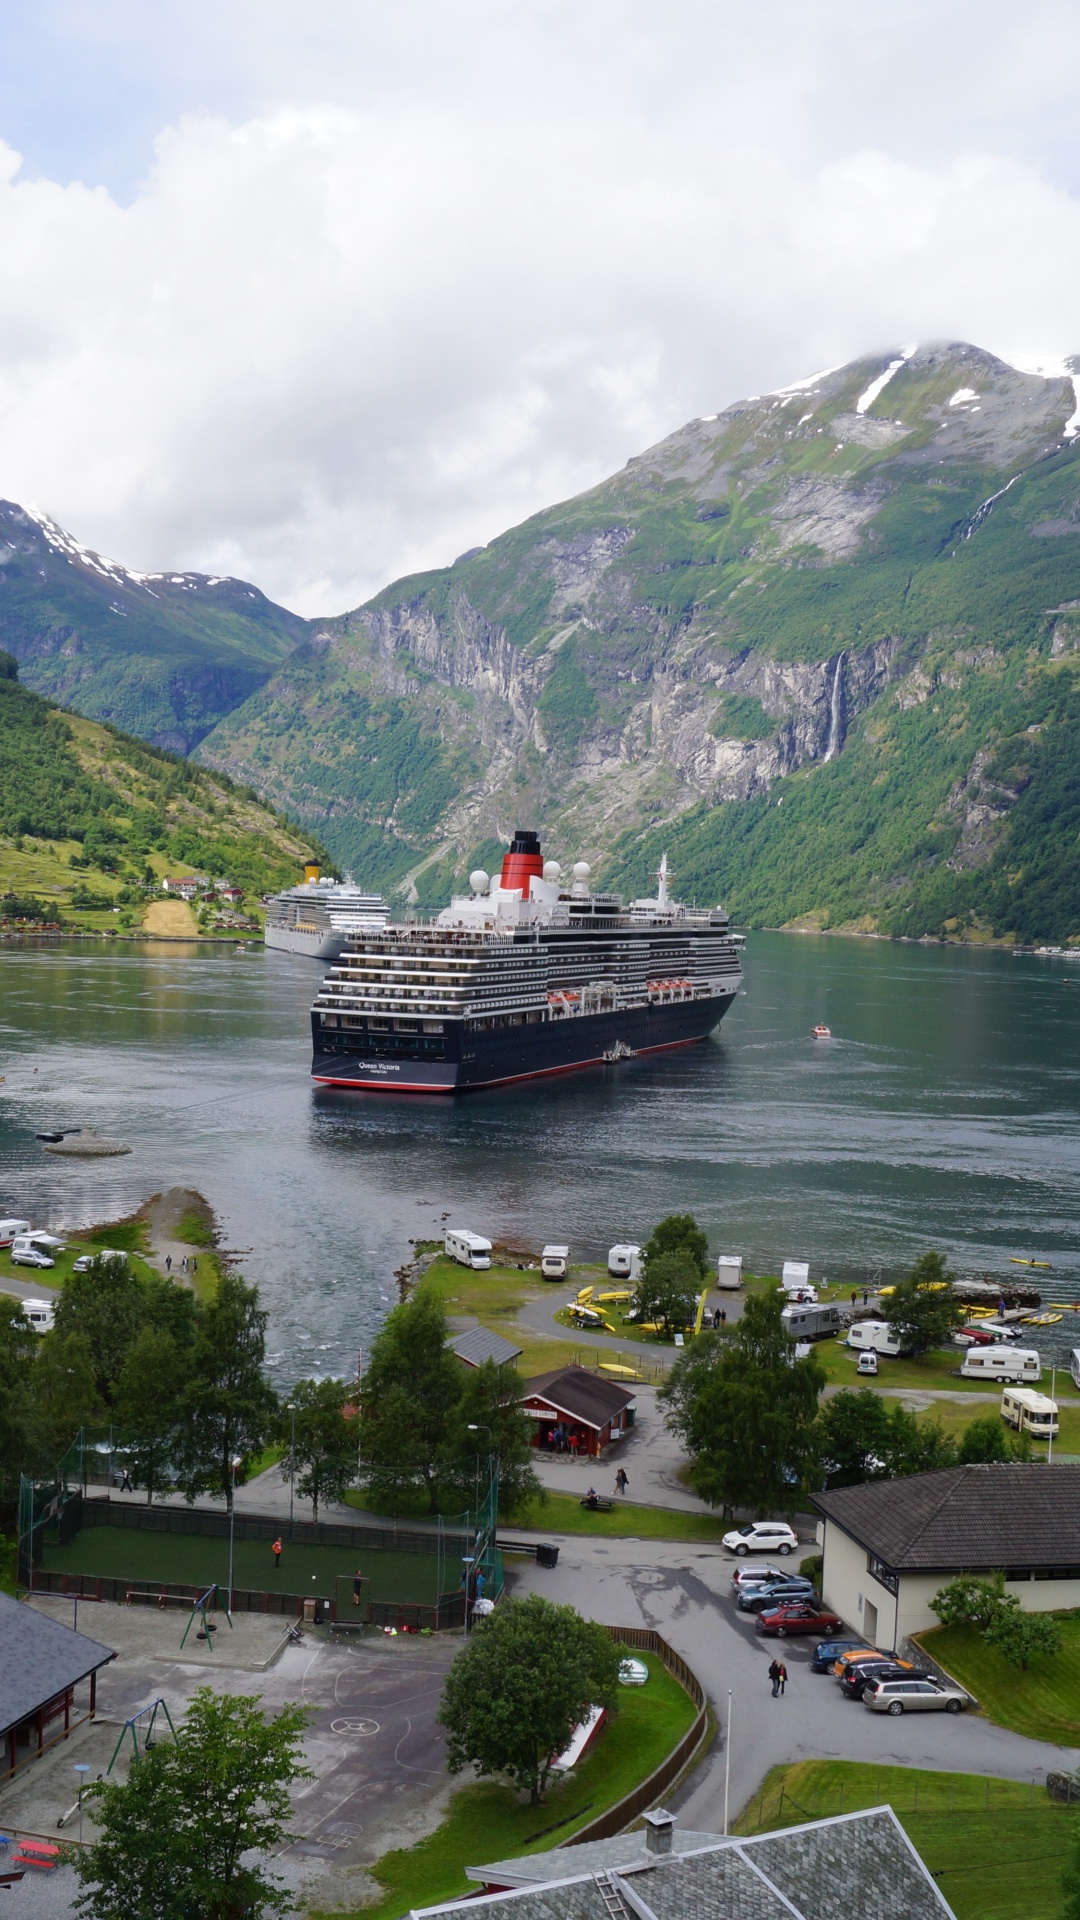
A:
[821, 1033]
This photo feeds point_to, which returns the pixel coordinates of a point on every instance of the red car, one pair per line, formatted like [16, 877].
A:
[801, 1616]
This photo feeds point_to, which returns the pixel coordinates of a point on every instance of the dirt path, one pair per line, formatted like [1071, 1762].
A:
[168, 1217]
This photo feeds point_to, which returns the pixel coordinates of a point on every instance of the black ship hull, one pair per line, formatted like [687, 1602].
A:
[463, 1059]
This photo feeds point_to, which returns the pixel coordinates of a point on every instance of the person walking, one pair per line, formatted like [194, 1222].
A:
[621, 1482]
[168, 1263]
[782, 1676]
[276, 1551]
[775, 1671]
[194, 1264]
[183, 1264]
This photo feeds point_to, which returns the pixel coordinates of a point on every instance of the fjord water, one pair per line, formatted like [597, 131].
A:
[944, 1113]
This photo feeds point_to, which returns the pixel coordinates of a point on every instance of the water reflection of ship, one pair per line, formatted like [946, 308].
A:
[321, 917]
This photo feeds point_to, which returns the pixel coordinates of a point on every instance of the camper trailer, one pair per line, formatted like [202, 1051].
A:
[1015, 1365]
[554, 1262]
[803, 1322]
[1030, 1412]
[11, 1230]
[875, 1336]
[624, 1263]
[470, 1249]
[1074, 1366]
[729, 1271]
[796, 1276]
[41, 1315]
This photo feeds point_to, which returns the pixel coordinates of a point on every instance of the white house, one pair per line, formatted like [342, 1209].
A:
[890, 1545]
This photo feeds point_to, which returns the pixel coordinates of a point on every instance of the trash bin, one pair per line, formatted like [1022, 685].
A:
[547, 1556]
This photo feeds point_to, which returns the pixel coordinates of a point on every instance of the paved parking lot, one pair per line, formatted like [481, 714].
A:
[684, 1592]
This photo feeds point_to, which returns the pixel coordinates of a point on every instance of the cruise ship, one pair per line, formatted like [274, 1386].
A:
[525, 975]
[321, 917]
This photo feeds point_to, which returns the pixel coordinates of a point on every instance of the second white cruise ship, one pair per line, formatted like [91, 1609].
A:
[322, 917]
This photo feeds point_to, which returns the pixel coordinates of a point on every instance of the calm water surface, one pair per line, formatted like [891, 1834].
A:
[944, 1113]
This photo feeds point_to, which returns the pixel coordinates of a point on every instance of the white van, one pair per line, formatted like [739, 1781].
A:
[41, 1315]
[26, 1253]
[470, 1249]
[1030, 1412]
[11, 1229]
[729, 1271]
[1013, 1364]
[554, 1262]
[875, 1336]
[624, 1263]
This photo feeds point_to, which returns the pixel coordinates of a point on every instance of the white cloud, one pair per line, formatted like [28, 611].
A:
[328, 344]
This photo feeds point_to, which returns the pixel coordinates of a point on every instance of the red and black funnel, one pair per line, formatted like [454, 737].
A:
[522, 862]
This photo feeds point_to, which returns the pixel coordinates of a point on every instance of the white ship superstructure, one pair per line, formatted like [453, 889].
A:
[321, 917]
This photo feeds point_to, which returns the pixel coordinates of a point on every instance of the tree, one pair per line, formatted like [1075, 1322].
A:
[65, 1394]
[1017, 1635]
[230, 1410]
[916, 1446]
[18, 1342]
[923, 1307]
[746, 1411]
[321, 1441]
[678, 1233]
[527, 1677]
[488, 1424]
[149, 1405]
[983, 1440]
[667, 1291]
[408, 1396]
[106, 1306]
[853, 1438]
[173, 1836]
[970, 1602]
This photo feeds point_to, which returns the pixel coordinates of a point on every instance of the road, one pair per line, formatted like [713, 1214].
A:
[683, 1591]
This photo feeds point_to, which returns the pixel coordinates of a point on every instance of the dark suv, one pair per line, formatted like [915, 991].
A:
[827, 1652]
[855, 1681]
[793, 1586]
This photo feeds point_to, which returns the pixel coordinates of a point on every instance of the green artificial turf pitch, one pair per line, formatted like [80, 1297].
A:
[123, 1553]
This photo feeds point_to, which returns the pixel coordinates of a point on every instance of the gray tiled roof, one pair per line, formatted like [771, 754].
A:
[621, 1850]
[480, 1344]
[39, 1658]
[856, 1866]
[971, 1519]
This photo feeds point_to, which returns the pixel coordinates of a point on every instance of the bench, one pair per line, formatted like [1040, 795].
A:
[36, 1853]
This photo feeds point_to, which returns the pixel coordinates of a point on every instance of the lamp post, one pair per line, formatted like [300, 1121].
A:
[1050, 1435]
[82, 1769]
[233, 1464]
[727, 1760]
[478, 1426]
[292, 1456]
[475, 1426]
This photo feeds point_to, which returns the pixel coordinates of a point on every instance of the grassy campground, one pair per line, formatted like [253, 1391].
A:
[995, 1847]
[1043, 1702]
[497, 1295]
[489, 1822]
[122, 1236]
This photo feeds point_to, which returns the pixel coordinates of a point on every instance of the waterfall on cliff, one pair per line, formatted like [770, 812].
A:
[836, 735]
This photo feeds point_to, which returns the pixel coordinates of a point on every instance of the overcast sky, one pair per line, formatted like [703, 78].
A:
[323, 294]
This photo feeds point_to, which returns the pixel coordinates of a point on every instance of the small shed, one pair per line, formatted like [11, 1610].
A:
[43, 1665]
[577, 1411]
[480, 1344]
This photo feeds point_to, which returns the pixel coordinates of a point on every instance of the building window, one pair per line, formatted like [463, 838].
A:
[884, 1575]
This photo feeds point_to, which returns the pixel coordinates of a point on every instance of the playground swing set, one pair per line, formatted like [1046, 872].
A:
[205, 1605]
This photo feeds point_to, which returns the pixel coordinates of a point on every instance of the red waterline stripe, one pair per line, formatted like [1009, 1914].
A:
[475, 1086]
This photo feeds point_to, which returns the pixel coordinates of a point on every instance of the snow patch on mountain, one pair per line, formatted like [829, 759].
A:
[867, 398]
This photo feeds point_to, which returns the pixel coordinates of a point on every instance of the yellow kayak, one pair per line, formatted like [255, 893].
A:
[1016, 1261]
[616, 1299]
[620, 1373]
[1042, 1319]
[584, 1296]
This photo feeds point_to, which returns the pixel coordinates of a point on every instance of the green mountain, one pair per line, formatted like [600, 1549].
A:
[823, 647]
[91, 820]
[165, 656]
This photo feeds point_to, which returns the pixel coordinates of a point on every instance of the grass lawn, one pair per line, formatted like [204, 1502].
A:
[195, 1560]
[1044, 1702]
[123, 1238]
[497, 1296]
[564, 1513]
[955, 1418]
[489, 1822]
[996, 1847]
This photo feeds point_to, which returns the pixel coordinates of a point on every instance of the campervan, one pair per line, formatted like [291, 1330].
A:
[796, 1276]
[875, 1336]
[624, 1263]
[554, 1262]
[470, 1249]
[41, 1315]
[802, 1322]
[1015, 1365]
[729, 1271]
[11, 1229]
[1030, 1412]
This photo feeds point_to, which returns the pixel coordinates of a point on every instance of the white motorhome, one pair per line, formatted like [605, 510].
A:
[11, 1229]
[806, 1322]
[624, 1263]
[470, 1249]
[41, 1315]
[729, 1271]
[1015, 1365]
[554, 1262]
[1030, 1412]
[796, 1276]
[875, 1336]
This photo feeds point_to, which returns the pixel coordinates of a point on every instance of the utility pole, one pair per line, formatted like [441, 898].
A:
[1050, 1435]
[233, 1464]
[292, 1456]
[727, 1760]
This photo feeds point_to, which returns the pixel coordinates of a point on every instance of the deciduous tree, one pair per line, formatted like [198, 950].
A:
[488, 1424]
[149, 1406]
[678, 1233]
[1018, 1636]
[175, 1833]
[923, 1307]
[408, 1396]
[65, 1394]
[527, 1677]
[321, 1441]
[230, 1410]
[970, 1602]
[853, 1438]
[667, 1292]
[106, 1306]
[18, 1343]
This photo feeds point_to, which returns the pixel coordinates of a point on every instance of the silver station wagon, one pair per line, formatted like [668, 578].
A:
[913, 1696]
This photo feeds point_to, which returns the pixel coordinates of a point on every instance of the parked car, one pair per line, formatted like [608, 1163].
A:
[745, 1576]
[913, 1696]
[774, 1594]
[25, 1254]
[845, 1660]
[867, 1362]
[827, 1651]
[86, 1260]
[761, 1536]
[801, 1616]
[864, 1673]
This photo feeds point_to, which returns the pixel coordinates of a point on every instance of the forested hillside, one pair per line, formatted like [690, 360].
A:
[90, 820]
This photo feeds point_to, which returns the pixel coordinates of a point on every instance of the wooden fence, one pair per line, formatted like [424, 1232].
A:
[626, 1811]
